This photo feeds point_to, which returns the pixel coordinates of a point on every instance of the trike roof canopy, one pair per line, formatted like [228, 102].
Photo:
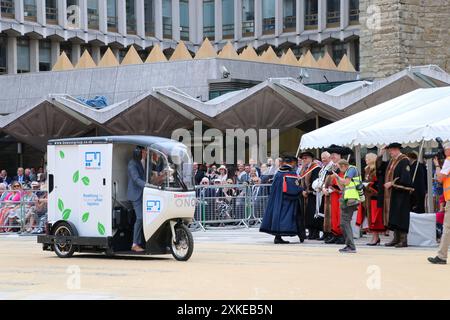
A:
[163, 145]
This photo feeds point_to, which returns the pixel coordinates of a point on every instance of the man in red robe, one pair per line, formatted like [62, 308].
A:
[333, 195]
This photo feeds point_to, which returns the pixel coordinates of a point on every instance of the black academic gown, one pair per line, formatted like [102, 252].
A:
[281, 211]
[309, 204]
[399, 212]
[420, 188]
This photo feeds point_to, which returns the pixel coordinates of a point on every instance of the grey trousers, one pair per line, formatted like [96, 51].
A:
[138, 225]
[346, 225]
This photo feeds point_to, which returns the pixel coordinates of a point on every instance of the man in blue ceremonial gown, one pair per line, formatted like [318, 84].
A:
[281, 215]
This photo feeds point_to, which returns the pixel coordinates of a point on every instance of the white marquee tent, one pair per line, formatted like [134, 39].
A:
[426, 107]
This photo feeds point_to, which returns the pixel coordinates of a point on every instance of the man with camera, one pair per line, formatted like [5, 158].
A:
[351, 184]
[443, 175]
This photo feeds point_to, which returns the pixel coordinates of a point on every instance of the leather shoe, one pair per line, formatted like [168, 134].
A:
[279, 240]
[437, 260]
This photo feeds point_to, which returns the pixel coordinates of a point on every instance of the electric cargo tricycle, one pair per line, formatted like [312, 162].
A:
[88, 209]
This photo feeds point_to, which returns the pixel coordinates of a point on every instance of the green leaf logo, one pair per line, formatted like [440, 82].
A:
[85, 180]
[101, 228]
[61, 154]
[76, 176]
[66, 214]
[60, 205]
[85, 217]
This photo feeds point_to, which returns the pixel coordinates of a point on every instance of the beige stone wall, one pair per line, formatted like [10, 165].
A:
[411, 32]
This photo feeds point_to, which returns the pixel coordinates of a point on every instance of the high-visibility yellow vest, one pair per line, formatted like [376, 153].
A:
[446, 183]
[350, 191]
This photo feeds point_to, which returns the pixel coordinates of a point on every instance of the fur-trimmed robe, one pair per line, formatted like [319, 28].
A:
[396, 211]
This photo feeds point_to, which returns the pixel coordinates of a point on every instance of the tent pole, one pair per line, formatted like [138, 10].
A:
[358, 157]
[429, 181]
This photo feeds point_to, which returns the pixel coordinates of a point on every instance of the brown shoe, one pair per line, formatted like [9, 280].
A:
[403, 243]
[137, 248]
[394, 241]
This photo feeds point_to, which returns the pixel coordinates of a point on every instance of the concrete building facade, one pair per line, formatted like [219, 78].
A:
[34, 32]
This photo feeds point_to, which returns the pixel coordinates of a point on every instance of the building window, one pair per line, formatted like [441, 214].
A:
[45, 61]
[357, 57]
[51, 11]
[184, 19]
[112, 15]
[23, 55]
[333, 13]
[338, 52]
[92, 11]
[208, 19]
[227, 19]
[248, 18]
[149, 12]
[7, 7]
[3, 62]
[289, 15]
[311, 14]
[30, 10]
[167, 19]
[354, 12]
[131, 17]
[268, 15]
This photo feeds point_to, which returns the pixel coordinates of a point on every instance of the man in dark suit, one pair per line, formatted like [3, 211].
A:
[198, 173]
[21, 178]
[136, 185]
[419, 183]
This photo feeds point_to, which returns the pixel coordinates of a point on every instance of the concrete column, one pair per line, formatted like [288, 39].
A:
[62, 13]
[300, 20]
[218, 20]
[345, 14]
[140, 18]
[329, 48]
[237, 19]
[350, 48]
[54, 52]
[102, 16]
[12, 55]
[159, 20]
[176, 20]
[192, 21]
[83, 15]
[18, 10]
[76, 53]
[115, 52]
[41, 17]
[122, 17]
[322, 15]
[258, 19]
[199, 24]
[34, 55]
[278, 17]
[96, 56]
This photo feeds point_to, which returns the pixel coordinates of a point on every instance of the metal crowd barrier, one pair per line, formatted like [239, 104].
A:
[22, 210]
[238, 205]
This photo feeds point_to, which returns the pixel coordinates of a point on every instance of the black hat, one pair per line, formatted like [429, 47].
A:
[288, 157]
[306, 154]
[338, 149]
[394, 145]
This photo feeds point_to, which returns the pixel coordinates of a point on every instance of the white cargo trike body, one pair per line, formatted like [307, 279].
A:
[88, 209]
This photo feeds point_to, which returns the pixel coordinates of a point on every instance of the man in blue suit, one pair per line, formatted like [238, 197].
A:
[136, 185]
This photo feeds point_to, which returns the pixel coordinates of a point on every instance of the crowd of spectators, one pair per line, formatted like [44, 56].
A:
[225, 191]
[23, 201]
